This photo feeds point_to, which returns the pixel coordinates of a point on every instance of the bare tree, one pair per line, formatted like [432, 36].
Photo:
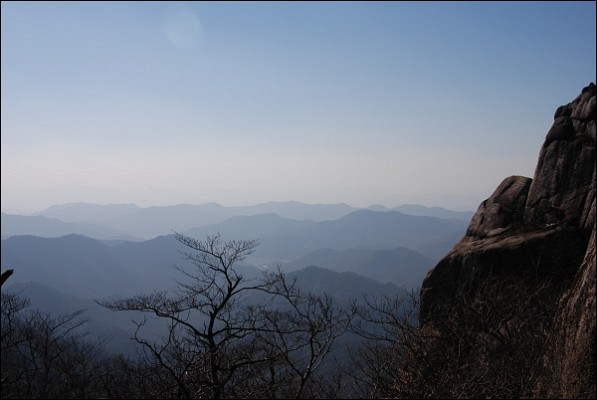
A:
[483, 345]
[45, 356]
[388, 326]
[300, 334]
[5, 275]
[11, 339]
[228, 336]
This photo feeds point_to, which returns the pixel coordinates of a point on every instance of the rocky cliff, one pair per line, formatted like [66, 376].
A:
[523, 276]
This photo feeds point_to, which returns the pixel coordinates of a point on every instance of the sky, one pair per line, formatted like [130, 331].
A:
[162, 103]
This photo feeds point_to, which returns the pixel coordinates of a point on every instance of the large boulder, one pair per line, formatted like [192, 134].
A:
[529, 244]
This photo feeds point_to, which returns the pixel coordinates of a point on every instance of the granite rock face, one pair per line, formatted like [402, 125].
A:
[567, 369]
[503, 211]
[540, 234]
[563, 188]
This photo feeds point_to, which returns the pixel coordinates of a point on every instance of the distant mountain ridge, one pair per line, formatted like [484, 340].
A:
[360, 229]
[250, 226]
[76, 264]
[342, 286]
[400, 266]
[92, 267]
[438, 212]
[154, 221]
[39, 225]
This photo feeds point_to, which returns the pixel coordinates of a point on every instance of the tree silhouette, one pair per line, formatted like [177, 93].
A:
[229, 336]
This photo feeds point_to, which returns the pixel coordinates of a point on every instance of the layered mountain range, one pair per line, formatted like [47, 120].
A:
[75, 253]
[130, 222]
[529, 256]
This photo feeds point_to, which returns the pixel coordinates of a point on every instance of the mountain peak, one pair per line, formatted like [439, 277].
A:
[533, 242]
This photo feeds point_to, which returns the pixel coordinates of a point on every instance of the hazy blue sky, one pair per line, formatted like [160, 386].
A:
[375, 102]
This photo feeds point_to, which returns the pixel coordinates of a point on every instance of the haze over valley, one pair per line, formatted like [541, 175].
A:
[291, 235]
[69, 255]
